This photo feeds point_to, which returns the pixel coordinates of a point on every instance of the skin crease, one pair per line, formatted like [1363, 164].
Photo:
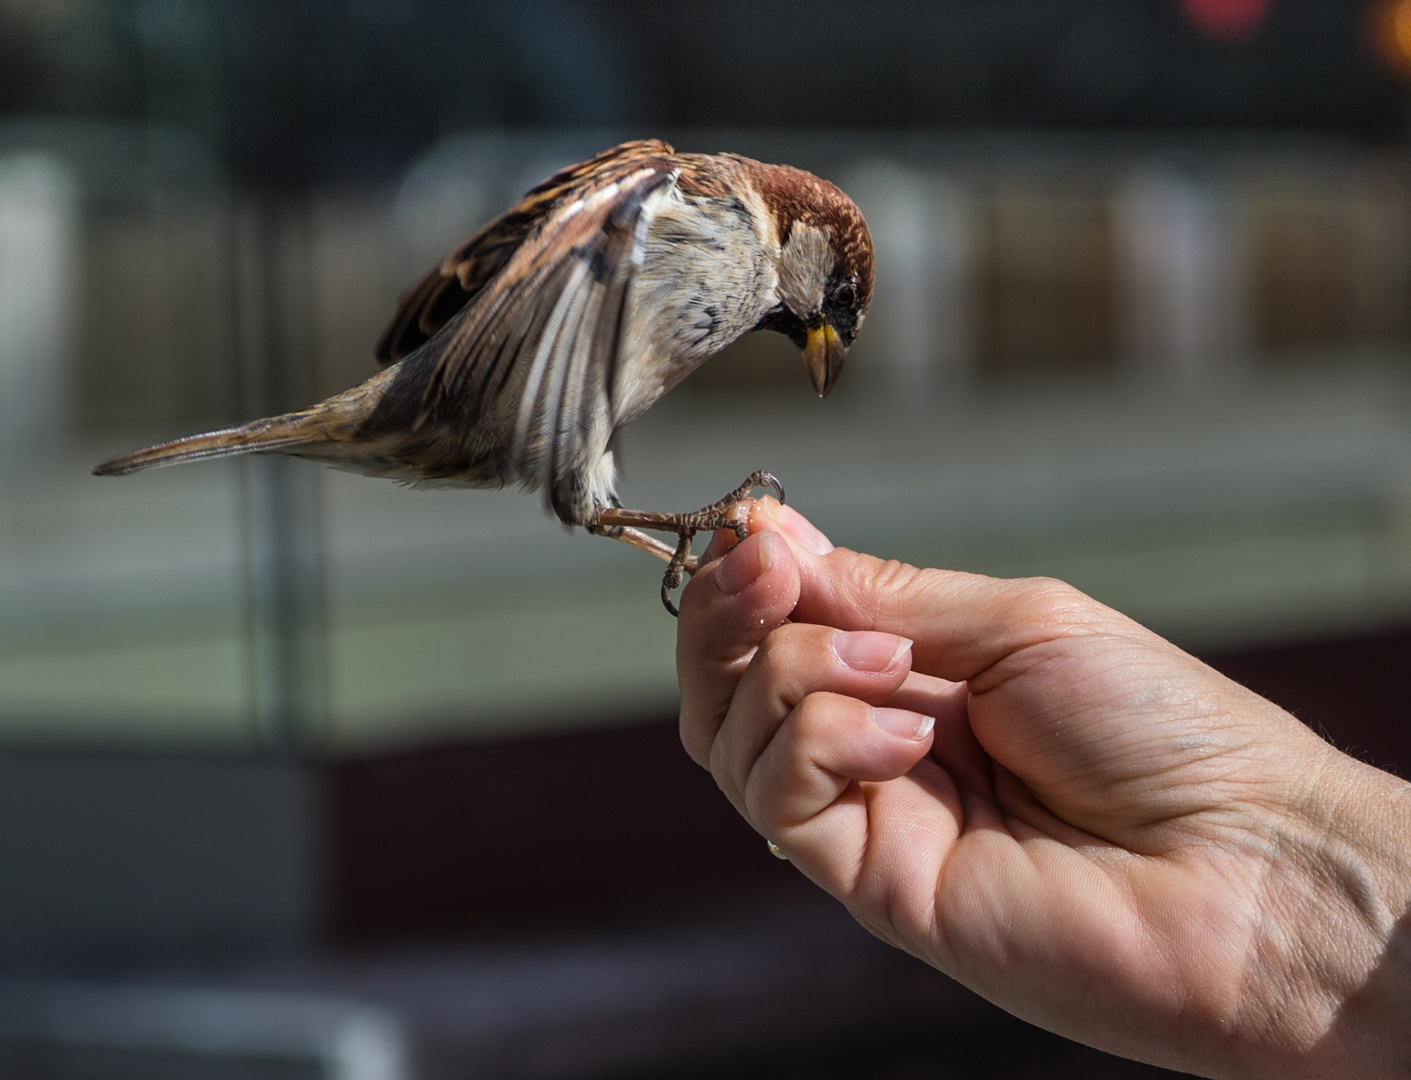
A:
[1100, 833]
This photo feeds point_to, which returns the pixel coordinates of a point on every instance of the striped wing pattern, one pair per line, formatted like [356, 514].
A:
[528, 313]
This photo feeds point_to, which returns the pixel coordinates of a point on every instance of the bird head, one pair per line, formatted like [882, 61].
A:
[825, 269]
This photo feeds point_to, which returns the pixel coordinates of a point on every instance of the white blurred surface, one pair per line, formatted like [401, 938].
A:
[39, 275]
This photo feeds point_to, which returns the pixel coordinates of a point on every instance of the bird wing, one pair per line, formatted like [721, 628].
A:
[537, 345]
[445, 290]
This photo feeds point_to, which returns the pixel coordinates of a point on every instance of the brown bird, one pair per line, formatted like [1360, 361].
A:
[516, 360]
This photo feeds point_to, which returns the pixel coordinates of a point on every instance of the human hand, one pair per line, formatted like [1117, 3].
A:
[1100, 833]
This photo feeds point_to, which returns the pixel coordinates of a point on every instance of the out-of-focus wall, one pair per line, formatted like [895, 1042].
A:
[1000, 260]
[109, 858]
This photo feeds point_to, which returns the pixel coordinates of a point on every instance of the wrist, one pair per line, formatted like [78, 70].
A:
[1370, 1037]
[1337, 902]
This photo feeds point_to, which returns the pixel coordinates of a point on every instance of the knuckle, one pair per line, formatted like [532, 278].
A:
[823, 718]
[885, 584]
[718, 763]
[814, 715]
[695, 741]
[894, 575]
[1048, 602]
[795, 757]
[778, 652]
[759, 801]
[791, 659]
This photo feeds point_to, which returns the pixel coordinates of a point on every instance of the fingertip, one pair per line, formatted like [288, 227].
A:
[745, 563]
[770, 513]
[744, 594]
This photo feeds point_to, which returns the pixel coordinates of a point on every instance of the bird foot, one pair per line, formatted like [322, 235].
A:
[624, 525]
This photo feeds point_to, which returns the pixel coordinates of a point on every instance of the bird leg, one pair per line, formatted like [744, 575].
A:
[626, 525]
[638, 539]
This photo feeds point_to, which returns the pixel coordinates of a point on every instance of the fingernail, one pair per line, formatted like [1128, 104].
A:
[869, 650]
[746, 561]
[801, 530]
[904, 722]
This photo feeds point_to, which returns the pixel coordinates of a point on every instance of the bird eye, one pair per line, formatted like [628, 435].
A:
[846, 295]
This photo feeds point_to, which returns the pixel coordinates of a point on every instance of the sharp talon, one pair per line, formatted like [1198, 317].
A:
[765, 479]
[627, 526]
[757, 479]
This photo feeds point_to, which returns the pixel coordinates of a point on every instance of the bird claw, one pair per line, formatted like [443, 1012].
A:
[709, 519]
[666, 589]
[676, 570]
[624, 525]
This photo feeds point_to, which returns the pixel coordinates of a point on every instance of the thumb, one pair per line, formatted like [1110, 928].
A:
[962, 624]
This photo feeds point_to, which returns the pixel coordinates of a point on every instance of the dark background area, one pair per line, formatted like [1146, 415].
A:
[315, 90]
[414, 831]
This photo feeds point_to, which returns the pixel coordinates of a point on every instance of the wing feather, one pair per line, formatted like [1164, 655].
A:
[587, 229]
[539, 343]
[586, 371]
[564, 401]
[539, 382]
[436, 298]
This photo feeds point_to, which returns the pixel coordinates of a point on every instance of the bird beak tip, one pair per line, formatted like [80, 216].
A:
[823, 354]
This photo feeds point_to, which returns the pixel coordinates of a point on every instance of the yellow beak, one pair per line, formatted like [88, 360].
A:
[823, 353]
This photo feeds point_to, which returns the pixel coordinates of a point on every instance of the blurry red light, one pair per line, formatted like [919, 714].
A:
[1226, 20]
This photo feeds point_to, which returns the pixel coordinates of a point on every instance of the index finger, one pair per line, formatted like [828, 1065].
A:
[727, 610]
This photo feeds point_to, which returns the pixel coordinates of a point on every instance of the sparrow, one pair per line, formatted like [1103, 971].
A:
[518, 358]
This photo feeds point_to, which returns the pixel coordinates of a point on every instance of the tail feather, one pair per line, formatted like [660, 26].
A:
[275, 433]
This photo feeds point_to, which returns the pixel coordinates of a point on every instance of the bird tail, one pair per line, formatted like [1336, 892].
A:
[275, 433]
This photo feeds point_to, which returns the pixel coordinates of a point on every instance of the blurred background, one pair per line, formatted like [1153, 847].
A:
[306, 775]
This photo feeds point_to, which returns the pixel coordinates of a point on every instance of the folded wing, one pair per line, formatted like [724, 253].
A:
[444, 290]
[535, 347]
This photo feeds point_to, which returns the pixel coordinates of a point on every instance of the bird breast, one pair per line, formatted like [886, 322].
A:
[707, 276]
